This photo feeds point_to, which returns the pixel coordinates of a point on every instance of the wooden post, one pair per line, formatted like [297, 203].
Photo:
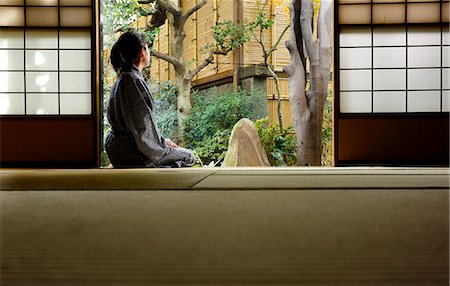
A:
[237, 53]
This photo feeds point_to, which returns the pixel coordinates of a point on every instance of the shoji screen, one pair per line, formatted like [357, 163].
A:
[47, 82]
[392, 81]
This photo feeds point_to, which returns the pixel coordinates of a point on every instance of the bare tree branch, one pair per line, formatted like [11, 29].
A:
[274, 47]
[169, 7]
[207, 61]
[193, 9]
[174, 61]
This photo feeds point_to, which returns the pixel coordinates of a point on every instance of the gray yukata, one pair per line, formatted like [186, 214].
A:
[134, 139]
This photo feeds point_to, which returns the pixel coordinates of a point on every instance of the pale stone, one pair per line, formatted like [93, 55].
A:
[244, 148]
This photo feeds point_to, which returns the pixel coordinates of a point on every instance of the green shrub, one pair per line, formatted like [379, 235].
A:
[213, 115]
[165, 95]
[280, 146]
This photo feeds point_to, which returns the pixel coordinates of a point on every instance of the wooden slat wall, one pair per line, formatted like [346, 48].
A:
[272, 103]
[206, 19]
[281, 20]
[190, 42]
[225, 12]
[252, 50]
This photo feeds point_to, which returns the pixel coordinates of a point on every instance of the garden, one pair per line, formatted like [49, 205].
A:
[213, 111]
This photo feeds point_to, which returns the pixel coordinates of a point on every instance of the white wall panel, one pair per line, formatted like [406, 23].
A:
[11, 82]
[11, 60]
[11, 38]
[389, 101]
[74, 39]
[41, 39]
[75, 60]
[446, 101]
[355, 58]
[42, 103]
[446, 78]
[424, 79]
[424, 101]
[424, 56]
[41, 60]
[389, 36]
[75, 82]
[389, 79]
[424, 35]
[42, 81]
[355, 80]
[12, 104]
[389, 57]
[355, 102]
[355, 37]
[446, 56]
[77, 103]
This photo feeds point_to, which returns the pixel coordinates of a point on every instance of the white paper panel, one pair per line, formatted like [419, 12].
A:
[355, 58]
[75, 39]
[12, 16]
[423, 13]
[78, 103]
[389, 57]
[12, 104]
[11, 38]
[446, 101]
[42, 17]
[355, 37]
[75, 60]
[42, 81]
[11, 60]
[41, 39]
[76, 17]
[445, 35]
[424, 101]
[41, 60]
[430, 35]
[389, 79]
[446, 56]
[42, 103]
[389, 101]
[75, 2]
[75, 82]
[389, 36]
[445, 78]
[355, 102]
[424, 79]
[354, 14]
[355, 80]
[388, 13]
[11, 82]
[42, 2]
[424, 57]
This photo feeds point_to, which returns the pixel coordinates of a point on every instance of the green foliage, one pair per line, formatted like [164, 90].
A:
[327, 132]
[116, 14]
[280, 145]
[213, 115]
[229, 36]
[213, 148]
[165, 95]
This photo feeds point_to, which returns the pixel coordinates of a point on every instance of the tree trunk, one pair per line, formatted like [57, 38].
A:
[307, 106]
[182, 75]
[277, 85]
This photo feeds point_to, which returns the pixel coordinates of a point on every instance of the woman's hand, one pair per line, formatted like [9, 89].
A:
[171, 143]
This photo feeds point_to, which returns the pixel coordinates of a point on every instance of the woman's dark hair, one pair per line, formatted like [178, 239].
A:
[126, 50]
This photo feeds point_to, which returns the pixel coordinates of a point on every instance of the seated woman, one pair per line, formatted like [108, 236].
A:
[135, 140]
